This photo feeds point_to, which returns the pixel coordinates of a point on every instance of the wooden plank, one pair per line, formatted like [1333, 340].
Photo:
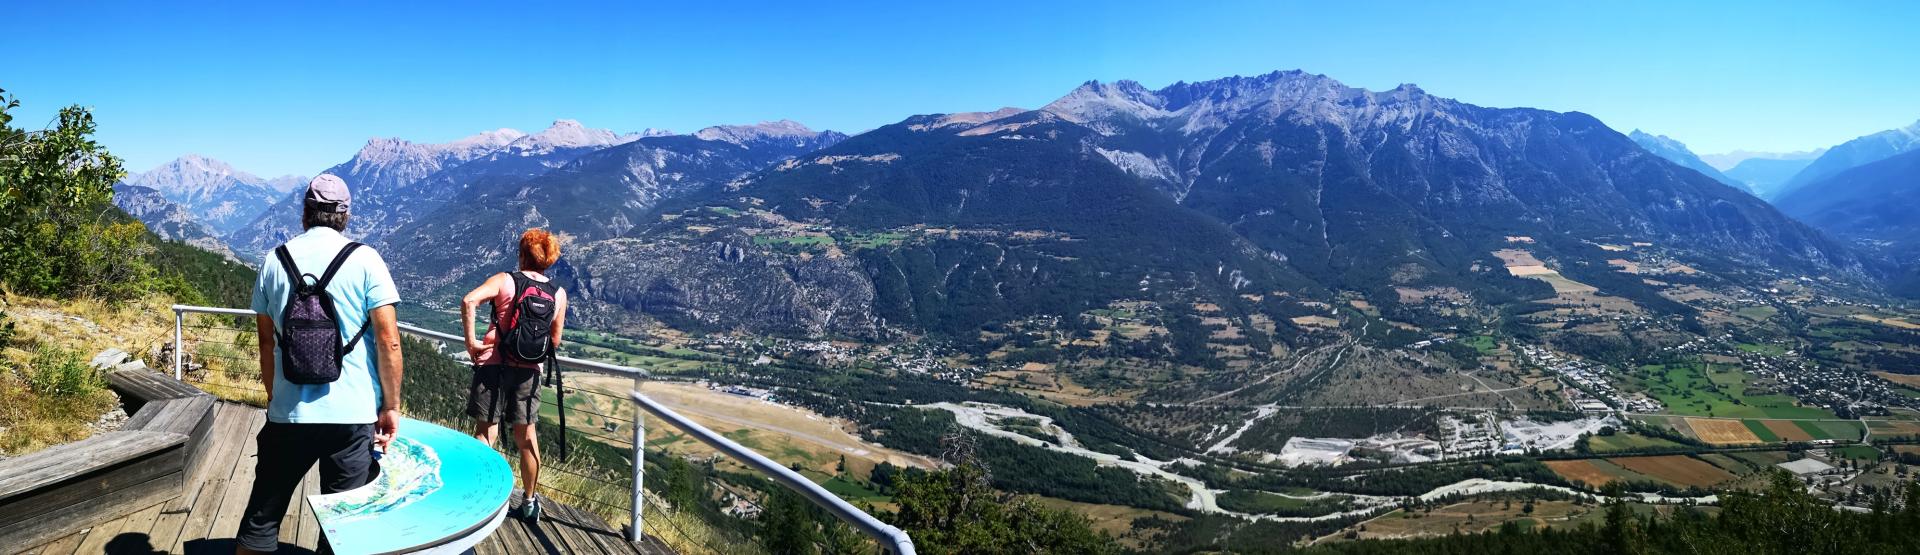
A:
[217, 453]
[144, 415]
[225, 442]
[63, 521]
[603, 536]
[200, 517]
[142, 522]
[200, 430]
[513, 532]
[82, 489]
[166, 528]
[240, 485]
[97, 538]
[563, 532]
[62, 546]
[27, 473]
[149, 385]
[309, 525]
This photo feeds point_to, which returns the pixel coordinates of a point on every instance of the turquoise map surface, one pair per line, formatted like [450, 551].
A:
[435, 484]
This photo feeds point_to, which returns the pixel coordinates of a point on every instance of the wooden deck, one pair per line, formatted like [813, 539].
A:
[204, 520]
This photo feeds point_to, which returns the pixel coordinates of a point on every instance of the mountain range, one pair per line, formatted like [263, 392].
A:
[1225, 191]
[1876, 204]
[218, 195]
[1852, 154]
[1678, 153]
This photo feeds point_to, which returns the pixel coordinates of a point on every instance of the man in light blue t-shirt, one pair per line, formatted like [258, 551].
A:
[341, 423]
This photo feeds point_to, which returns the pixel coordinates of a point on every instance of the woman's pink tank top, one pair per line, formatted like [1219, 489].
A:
[502, 309]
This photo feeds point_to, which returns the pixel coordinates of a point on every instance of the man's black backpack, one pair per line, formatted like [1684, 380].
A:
[310, 348]
[528, 333]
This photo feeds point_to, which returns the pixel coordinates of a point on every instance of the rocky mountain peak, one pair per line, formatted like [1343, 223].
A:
[567, 134]
[738, 134]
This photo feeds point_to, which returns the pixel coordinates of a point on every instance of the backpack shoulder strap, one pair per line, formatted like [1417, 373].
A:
[520, 282]
[338, 261]
[292, 270]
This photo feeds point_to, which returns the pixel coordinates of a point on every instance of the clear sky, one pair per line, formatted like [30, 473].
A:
[277, 88]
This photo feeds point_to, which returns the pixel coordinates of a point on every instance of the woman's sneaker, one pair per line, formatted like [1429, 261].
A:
[530, 509]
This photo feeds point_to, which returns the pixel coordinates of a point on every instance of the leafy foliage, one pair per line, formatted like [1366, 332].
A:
[53, 184]
[955, 511]
[1783, 519]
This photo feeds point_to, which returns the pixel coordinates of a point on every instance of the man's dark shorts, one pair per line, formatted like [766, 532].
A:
[286, 453]
[506, 394]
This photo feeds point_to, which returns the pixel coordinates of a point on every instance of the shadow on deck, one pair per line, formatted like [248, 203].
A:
[205, 519]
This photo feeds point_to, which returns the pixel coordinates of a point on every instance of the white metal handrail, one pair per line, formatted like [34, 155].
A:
[895, 539]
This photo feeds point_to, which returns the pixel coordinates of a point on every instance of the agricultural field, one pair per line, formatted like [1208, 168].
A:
[1719, 390]
[1757, 313]
[1722, 432]
[1763, 348]
[1855, 452]
[1761, 458]
[1673, 470]
[1676, 469]
[1909, 380]
[1836, 429]
[1894, 427]
[1627, 442]
[1592, 472]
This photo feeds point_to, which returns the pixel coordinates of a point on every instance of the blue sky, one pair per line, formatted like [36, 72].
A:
[276, 88]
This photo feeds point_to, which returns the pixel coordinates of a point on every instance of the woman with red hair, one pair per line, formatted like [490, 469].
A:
[528, 314]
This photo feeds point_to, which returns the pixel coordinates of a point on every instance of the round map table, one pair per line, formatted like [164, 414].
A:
[439, 491]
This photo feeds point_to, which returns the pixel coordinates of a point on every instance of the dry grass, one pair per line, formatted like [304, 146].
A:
[1722, 432]
[1467, 518]
[61, 336]
[783, 433]
[1517, 257]
[1909, 380]
[1112, 519]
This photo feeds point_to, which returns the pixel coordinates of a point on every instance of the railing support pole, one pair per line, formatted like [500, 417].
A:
[179, 321]
[634, 531]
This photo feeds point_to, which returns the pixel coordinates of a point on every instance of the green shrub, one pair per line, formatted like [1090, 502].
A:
[6, 330]
[58, 376]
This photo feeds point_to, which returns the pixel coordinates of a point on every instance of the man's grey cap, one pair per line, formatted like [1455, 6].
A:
[326, 189]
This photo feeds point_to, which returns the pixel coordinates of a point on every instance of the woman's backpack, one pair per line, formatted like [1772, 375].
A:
[529, 327]
[310, 348]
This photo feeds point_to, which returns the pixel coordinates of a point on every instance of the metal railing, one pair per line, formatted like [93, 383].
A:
[889, 537]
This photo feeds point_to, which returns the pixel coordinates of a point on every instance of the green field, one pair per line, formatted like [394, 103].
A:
[1757, 313]
[1831, 430]
[1739, 467]
[1760, 430]
[801, 241]
[1856, 452]
[1626, 442]
[1260, 502]
[1764, 349]
[875, 240]
[1482, 343]
[1697, 389]
[850, 490]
